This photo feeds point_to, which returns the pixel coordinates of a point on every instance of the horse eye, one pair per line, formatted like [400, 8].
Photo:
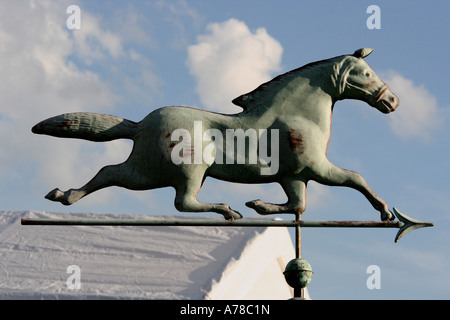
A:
[368, 74]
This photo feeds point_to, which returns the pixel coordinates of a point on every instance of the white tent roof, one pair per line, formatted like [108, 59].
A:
[141, 262]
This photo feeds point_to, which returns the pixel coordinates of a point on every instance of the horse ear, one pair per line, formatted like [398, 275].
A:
[362, 53]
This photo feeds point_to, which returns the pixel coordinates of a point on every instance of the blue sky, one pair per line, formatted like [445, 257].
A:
[131, 57]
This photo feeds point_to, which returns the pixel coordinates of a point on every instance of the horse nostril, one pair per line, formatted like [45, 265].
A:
[394, 102]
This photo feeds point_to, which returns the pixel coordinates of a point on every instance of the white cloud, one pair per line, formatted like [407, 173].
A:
[231, 60]
[418, 115]
[39, 80]
[93, 42]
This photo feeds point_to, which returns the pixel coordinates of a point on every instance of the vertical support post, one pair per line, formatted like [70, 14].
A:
[298, 240]
[298, 291]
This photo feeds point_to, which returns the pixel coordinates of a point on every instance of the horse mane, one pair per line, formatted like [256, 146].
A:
[253, 98]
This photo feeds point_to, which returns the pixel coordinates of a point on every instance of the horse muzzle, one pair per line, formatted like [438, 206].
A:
[386, 101]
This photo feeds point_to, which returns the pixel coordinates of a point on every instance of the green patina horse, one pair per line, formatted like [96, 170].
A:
[294, 109]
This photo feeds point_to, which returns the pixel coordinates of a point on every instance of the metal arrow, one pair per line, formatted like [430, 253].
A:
[405, 223]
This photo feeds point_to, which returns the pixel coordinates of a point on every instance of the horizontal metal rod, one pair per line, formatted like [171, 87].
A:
[213, 223]
[405, 224]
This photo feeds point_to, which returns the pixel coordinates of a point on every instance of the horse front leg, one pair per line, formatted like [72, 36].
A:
[295, 190]
[329, 174]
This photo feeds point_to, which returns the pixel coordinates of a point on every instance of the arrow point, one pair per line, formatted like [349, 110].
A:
[408, 224]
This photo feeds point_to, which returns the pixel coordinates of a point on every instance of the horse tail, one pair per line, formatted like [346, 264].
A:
[87, 126]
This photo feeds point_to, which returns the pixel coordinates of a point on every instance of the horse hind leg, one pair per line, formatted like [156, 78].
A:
[113, 175]
[186, 201]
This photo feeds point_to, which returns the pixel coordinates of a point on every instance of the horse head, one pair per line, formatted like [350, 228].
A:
[359, 81]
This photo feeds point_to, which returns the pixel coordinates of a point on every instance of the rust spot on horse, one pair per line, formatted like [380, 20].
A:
[295, 140]
[66, 123]
[370, 84]
[168, 135]
[172, 145]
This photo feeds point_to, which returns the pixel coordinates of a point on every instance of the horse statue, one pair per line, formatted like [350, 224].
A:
[294, 108]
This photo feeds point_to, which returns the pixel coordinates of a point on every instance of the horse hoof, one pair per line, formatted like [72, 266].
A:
[253, 204]
[258, 206]
[232, 215]
[58, 196]
[229, 218]
[387, 216]
[54, 195]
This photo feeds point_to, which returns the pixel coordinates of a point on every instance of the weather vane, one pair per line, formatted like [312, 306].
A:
[281, 135]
